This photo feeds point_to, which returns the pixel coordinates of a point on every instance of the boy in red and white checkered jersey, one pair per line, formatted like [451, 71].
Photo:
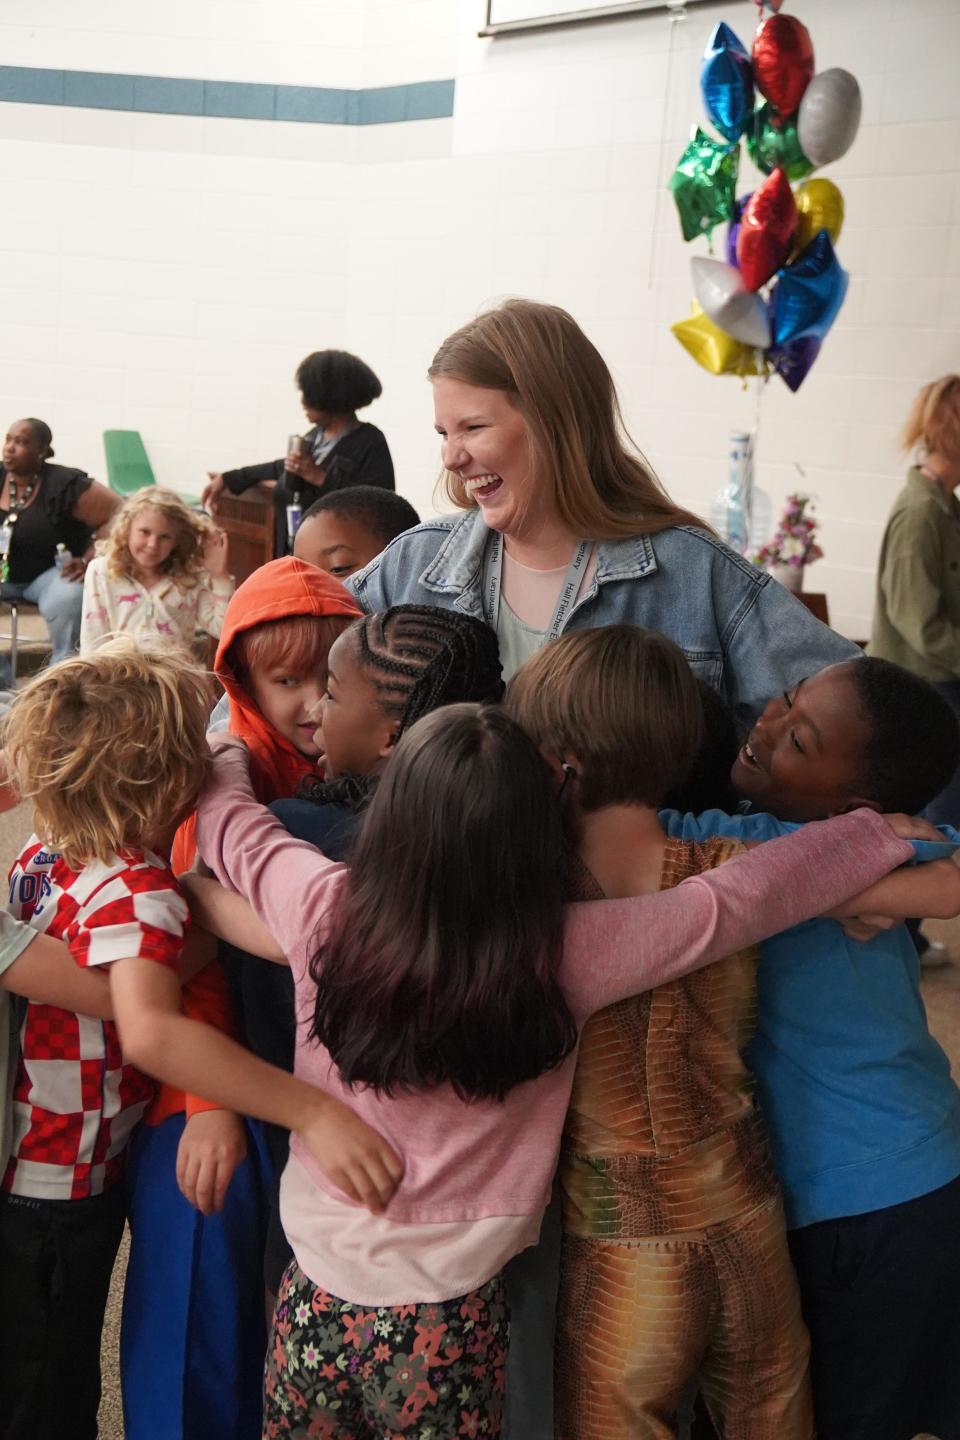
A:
[112, 751]
[75, 1101]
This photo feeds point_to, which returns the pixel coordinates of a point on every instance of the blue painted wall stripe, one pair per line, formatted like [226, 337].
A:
[227, 99]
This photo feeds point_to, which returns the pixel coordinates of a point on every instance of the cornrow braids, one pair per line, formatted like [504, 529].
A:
[419, 658]
[354, 792]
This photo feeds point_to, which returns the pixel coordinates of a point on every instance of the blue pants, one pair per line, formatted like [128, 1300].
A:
[60, 603]
[193, 1339]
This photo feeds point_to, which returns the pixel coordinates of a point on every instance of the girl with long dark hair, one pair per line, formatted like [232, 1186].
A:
[384, 673]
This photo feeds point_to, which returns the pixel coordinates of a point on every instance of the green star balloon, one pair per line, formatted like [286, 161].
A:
[771, 145]
[704, 183]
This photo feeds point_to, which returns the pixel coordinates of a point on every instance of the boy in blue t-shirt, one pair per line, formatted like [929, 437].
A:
[864, 1118]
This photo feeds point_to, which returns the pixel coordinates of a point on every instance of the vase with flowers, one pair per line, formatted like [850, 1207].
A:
[793, 545]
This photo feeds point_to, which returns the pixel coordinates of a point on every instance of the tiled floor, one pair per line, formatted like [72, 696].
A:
[941, 989]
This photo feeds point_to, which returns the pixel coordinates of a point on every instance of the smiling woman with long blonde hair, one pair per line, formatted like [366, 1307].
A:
[565, 524]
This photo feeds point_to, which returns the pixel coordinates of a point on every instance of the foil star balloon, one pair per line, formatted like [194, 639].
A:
[703, 184]
[792, 362]
[766, 230]
[733, 229]
[773, 141]
[782, 61]
[726, 82]
[808, 293]
[712, 348]
[728, 303]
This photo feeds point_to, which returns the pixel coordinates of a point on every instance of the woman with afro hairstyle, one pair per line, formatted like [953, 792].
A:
[338, 450]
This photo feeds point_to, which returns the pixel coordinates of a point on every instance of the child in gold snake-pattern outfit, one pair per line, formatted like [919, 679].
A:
[675, 1267]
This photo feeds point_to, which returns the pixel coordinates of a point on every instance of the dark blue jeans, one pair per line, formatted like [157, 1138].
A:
[880, 1299]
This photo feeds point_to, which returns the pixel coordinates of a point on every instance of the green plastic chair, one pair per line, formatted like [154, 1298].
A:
[128, 468]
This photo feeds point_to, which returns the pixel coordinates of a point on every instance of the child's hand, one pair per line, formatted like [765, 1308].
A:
[351, 1154]
[867, 927]
[215, 554]
[211, 1147]
[912, 827]
[211, 491]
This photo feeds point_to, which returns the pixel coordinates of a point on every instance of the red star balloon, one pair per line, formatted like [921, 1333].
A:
[766, 230]
[782, 61]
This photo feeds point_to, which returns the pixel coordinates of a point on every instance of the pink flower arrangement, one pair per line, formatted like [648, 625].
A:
[793, 542]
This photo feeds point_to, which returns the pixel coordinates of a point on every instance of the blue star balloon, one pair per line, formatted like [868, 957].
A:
[808, 293]
[726, 82]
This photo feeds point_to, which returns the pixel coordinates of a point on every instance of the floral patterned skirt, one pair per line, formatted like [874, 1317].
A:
[341, 1371]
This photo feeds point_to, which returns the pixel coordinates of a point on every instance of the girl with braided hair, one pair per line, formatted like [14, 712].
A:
[383, 674]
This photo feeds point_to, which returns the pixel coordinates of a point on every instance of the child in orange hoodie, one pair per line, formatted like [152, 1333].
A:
[193, 1318]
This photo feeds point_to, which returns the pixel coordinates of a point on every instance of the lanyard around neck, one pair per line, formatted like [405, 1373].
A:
[569, 588]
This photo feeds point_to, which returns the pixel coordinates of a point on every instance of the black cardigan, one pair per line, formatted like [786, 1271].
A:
[47, 521]
[362, 457]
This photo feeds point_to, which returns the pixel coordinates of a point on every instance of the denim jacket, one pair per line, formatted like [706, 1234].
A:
[740, 630]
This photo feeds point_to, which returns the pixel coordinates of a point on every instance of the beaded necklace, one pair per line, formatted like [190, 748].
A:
[15, 503]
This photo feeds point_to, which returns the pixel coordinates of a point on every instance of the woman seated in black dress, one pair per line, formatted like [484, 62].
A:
[44, 507]
[339, 450]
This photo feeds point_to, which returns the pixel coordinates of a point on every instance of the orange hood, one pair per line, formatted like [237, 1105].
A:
[278, 590]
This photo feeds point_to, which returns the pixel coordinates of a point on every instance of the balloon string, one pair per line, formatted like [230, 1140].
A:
[677, 13]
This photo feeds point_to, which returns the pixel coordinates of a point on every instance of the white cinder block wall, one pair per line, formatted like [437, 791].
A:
[167, 272]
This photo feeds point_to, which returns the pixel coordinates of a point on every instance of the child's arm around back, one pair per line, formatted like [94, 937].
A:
[289, 884]
[620, 947]
[161, 1041]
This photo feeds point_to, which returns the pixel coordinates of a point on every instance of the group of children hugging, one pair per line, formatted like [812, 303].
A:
[320, 1004]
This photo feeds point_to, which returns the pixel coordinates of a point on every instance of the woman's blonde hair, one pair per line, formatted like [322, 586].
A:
[184, 564]
[602, 487]
[934, 418]
[110, 748]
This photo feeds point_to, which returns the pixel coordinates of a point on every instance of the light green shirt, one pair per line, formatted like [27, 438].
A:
[916, 620]
[15, 936]
[516, 640]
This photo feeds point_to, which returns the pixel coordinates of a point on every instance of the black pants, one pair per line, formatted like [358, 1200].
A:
[881, 1299]
[56, 1258]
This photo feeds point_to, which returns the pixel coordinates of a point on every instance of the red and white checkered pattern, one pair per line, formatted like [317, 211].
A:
[75, 1102]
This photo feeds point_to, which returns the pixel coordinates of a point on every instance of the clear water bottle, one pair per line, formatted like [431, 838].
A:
[61, 556]
[740, 512]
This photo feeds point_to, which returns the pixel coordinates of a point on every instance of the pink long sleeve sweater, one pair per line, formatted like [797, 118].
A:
[464, 1162]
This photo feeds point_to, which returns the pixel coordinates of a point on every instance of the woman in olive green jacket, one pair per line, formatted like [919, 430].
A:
[916, 621]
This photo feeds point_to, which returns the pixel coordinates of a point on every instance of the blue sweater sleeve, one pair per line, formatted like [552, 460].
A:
[768, 827]
[717, 822]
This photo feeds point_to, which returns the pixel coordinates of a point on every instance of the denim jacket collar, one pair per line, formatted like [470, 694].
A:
[457, 567]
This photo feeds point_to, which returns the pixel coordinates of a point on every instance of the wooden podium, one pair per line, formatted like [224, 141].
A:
[816, 604]
[247, 521]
